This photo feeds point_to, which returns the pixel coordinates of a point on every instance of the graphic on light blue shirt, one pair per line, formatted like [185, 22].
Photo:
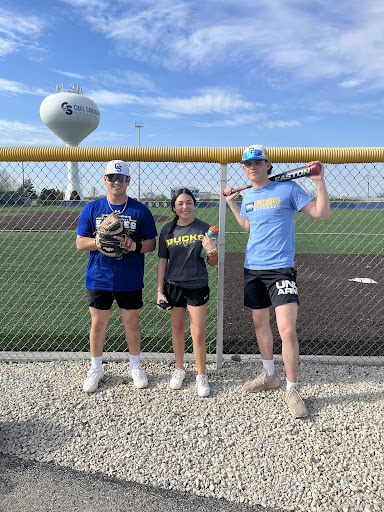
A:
[262, 204]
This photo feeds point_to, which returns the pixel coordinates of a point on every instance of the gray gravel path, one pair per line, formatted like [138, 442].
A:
[42, 487]
[243, 450]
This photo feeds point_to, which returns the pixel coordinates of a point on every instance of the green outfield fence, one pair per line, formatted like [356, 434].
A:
[340, 263]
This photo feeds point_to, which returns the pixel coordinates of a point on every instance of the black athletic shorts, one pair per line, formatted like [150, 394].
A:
[180, 297]
[101, 299]
[263, 288]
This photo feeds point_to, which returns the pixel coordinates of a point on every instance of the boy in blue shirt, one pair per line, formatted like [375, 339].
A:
[267, 212]
[108, 279]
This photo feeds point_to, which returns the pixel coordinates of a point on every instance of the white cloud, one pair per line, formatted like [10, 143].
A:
[104, 97]
[350, 83]
[282, 124]
[19, 133]
[255, 119]
[323, 39]
[12, 87]
[11, 23]
[113, 78]
[123, 79]
[87, 3]
[19, 32]
[69, 74]
[210, 101]
[213, 44]
[7, 46]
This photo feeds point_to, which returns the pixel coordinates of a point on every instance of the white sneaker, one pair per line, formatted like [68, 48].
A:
[92, 381]
[177, 379]
[138, 375]
[203, 388]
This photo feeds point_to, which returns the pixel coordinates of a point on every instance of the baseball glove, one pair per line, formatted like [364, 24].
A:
[105, 241]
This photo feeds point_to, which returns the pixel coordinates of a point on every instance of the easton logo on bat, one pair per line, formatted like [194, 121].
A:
[300, 172]
[291, 175]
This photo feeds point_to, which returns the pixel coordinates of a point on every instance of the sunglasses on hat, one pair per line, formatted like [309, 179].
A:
[117, 177]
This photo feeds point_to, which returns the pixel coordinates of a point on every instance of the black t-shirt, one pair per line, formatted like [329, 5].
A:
[185, 268]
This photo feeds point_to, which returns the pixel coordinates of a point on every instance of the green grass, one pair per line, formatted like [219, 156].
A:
[44, 307]
[348, 232]
[43, 304]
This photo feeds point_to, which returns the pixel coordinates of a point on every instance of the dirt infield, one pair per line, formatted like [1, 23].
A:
[338, 316]
[47, 221]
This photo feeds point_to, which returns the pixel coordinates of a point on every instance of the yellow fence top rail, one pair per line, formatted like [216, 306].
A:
[197, 154]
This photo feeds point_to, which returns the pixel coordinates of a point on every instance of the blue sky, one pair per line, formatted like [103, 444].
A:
[217, 73]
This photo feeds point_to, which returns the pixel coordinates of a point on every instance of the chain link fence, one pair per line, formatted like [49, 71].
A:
[339, 263]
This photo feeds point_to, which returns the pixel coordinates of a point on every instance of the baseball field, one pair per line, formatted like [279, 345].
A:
[340, 279]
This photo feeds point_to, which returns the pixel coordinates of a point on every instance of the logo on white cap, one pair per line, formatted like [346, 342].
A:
[254, 152]
[117, 167]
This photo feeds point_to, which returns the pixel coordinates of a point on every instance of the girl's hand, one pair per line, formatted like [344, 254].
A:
[209, 243]
[161, 296]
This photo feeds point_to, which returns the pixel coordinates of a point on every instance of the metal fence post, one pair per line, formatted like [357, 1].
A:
[220, 270]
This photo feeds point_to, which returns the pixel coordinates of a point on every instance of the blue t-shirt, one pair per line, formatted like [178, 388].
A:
[271, 214]
[110, 274]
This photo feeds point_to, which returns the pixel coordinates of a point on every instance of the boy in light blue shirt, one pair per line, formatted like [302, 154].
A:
[268, 213]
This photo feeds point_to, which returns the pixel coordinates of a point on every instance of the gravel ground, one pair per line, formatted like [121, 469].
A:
[243, 448]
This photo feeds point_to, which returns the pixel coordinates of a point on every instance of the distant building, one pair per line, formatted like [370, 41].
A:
[209, 196]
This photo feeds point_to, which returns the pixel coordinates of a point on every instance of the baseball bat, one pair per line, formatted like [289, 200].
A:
[293, 174]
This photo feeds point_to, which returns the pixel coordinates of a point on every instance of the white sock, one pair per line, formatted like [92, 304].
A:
[133, 361]
[269, 365]
[291, 385]
[96, 362]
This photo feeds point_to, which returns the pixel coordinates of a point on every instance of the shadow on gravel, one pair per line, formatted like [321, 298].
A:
[357, 399]
[41, 487]
[32, 436]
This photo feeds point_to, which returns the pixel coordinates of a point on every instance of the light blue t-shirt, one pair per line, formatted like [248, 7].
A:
[111, 274]
[271, 214]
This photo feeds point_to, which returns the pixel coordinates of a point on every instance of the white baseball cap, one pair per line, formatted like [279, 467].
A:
[254, 152]
[117, 167]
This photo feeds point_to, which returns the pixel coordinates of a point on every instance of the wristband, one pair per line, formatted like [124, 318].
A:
[212, 253]
[139, 245]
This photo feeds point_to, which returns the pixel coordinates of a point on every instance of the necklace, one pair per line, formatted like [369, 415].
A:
[118, 211]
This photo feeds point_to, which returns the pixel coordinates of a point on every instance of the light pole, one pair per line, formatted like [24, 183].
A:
[138, 125]
[368, 179]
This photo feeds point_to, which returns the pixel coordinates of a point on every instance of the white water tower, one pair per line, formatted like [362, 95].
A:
[72, 117]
